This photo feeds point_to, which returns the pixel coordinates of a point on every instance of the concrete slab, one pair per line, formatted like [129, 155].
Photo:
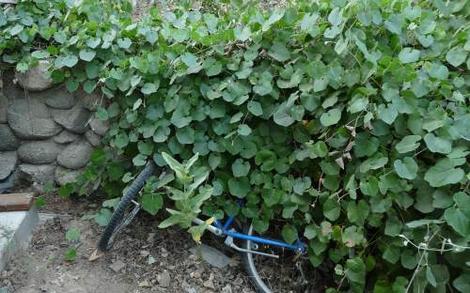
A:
[15, 232]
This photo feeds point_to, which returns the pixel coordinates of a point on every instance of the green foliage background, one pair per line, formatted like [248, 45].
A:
[348, 119]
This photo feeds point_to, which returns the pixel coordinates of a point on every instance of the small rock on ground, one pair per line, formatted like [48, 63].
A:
[211, 255]
[164, 279]
[117, 266]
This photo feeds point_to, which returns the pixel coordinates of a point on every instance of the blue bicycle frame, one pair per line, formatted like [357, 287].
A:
[225, 229]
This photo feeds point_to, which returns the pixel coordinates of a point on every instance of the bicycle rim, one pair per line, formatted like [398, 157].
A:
[270, 275]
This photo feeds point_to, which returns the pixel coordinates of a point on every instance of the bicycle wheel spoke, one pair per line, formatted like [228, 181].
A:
[126, 221]
[288, 273]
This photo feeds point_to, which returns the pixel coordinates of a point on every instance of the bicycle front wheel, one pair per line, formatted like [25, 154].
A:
[289, 272]
[117, 219]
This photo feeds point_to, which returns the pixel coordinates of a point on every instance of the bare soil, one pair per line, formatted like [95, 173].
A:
[144, 259]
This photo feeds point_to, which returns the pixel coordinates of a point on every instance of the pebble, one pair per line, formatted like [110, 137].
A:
[211, 255]
[144, 253]
[209, 283]
[195, 275]
[164, 279]
[145, 284]
[117, 266]
[151, 260]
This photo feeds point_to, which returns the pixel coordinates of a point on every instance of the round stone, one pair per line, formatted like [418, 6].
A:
[59, 98]
[38, 152]
[7, 164]
[30, 119]
[65, 137]
[98, 126]
[37, 78]
[90, 101]
[93, 138]
[38, 173]
[8, 141]
[74, 120]
[3, 108]
[76, 155]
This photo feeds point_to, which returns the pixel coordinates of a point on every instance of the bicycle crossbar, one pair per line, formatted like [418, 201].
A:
[224, 229]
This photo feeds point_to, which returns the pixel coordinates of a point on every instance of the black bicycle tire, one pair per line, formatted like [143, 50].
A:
[118, 214]
[250, 267]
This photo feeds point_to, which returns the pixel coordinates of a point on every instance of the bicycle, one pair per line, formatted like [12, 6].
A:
[260, 254]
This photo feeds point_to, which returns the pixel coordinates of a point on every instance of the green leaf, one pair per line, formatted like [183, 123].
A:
[456, 56]
[335, 17]
[437, 70]
[72, 234]
[103, 217]
[462, 283]
[15, 30]
[310, 232]
[289, 233]
[139, 160]
[70, 60]
[408, 144]
[407, 168]
[320, 149]
[149, 88]
[279, 52]
[356, 270]
[373, 163]
[331, 117]
[331, 209]
[462, 125]
[151, 202]
[255, 108]
[70, 254]
[443, 173]
[145, 148]
[239, 187]
[457, 220]
[124, 43]
[430, 277]
[121, 140]
[191, 61]
[463, 202]
[437, 145]
[387, 114]
[409, 55]
[422, 222]
[185, 135]
[244, 130]
[40, 54]
[240, 168]
[87, 55]
[320, 84]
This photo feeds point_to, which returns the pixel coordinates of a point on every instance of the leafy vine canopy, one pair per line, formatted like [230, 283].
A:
[347, 120]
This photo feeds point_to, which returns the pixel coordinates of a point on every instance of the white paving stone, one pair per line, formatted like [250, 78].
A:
[15, 232]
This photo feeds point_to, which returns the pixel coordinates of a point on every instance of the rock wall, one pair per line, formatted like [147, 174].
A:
[46, 133]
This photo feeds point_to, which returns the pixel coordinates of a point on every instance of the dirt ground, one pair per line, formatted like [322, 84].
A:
[144, 259]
